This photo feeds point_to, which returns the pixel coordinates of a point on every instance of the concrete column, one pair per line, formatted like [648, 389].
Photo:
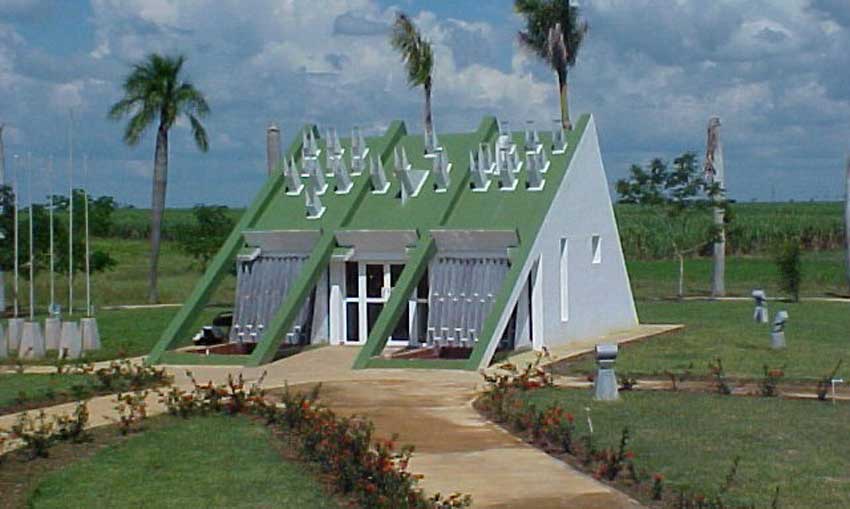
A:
[90, 334]
[4, 345]
[272, 147]
[32, 342]
[13, 333]
[71, 344]
[52, 332]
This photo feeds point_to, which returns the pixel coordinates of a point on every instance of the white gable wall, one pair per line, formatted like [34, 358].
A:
[599, 296]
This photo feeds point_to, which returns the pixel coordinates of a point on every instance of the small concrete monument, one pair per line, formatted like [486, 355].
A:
[605, 385]
[14, 331]
[4, 345]
[760, 313]
[777, 334]
[71, 345]
[90, 333]
[32, 342]
[52, 331]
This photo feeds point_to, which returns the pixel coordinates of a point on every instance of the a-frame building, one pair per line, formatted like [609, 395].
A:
[494, 240]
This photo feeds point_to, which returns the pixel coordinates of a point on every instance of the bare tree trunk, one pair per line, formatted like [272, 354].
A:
[429, 125]
[160, 179]
[5, 241]
[563, 95]
[680, 293]
[718, 273]
[847, 222]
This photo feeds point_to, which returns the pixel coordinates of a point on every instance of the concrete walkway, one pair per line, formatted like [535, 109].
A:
[456, 449]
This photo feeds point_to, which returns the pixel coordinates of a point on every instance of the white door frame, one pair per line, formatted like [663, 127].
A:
[363, 300]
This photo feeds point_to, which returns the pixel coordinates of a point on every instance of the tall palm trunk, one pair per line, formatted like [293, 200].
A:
[563, 95]
[429, 126]
[847, 222]
[160, 178]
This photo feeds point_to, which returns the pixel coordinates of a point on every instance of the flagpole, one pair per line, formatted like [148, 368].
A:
[86, 219]
[71, 214]
[52, 282]
[17, 234]
[32, 255]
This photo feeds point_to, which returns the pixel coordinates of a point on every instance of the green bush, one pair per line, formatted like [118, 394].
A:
[790, 264]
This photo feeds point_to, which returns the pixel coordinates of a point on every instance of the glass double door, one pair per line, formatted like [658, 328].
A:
[367, 289]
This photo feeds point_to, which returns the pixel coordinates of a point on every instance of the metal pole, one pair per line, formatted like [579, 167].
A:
[86, 219]
[16, 285]
[52, 282]
[32, 255]
[71, 215]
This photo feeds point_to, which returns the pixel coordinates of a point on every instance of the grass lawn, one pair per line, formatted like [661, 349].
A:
[35, 387]
[818, 334]
[692, 439]
[200, 462]
[823, 274]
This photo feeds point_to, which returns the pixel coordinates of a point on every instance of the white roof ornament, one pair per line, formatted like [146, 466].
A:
[411, 180]
[291, 178]
[441, 169]
[343, 180]
[359, 151]
[378, 177]
[506, 152]
[559, 138]
[333, 144]
[485, 158]
[534, 177]
[309, 147]
[532, 139]
[317, 178]
[315, 209]
[507, 179]
[480, 181]
[432, 144]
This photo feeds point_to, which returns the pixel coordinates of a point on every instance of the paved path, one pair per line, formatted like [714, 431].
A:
[456, 449]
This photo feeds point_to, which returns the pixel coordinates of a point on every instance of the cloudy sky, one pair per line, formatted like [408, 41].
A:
[652, 71]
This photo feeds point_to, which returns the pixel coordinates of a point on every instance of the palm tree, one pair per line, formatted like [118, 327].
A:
[155, 90]
[554, 33]
[418, 58]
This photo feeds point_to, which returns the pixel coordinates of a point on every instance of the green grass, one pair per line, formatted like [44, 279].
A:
[201, 462]
[692, 439]
[823, 274]
[35, 387]
[816, 338]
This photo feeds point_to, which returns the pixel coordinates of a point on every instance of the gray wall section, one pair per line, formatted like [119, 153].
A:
[599, 295]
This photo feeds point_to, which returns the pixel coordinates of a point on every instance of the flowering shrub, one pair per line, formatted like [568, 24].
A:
[719, 375]
[232, 398]
[611, 463]
[124, 375]
[39, 433]
[558, 428]
[657, 486]
[132, 409]
[508, 379]
[768, 385]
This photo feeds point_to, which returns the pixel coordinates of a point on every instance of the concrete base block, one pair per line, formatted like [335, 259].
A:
[14, 331]
[4, 344]
[32, 342]
[777, 340]
[91, 335]
[52, 333]
[71, 344]
[605, 387]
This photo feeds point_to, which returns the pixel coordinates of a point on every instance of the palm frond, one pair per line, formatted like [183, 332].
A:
[415, 50]
[199, 133]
